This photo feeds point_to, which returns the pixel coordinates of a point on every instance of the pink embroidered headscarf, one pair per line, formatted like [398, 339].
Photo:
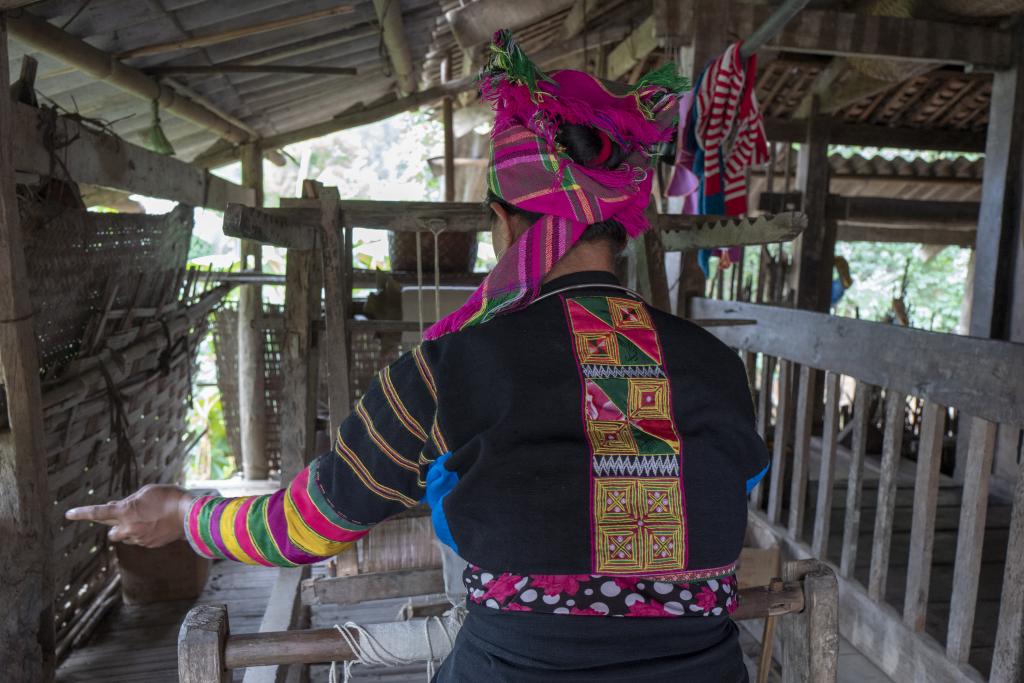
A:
[530, 171]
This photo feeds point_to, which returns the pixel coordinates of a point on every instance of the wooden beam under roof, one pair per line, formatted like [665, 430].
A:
[389, 14]
[41, 35]
[104, 160]
[225, 153]
[882, 210]
[868, 135]
[233, 68]
[473, 23]
[295, 227]
[827, 32]
[633, 50]
[857, 232]
[235, 33]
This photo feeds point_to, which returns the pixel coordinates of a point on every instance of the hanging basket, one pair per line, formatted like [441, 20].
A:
[456, 251]
[889, 70]
[980, 8]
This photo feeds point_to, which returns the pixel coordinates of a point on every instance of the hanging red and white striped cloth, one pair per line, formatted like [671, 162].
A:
[730, 127]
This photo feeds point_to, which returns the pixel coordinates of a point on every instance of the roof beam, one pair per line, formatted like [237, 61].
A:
[45, 37]
[883, 210]
[869, 135]
[350, 119]
[224, 154]
[389, 13]
[224, 36]
[634, 49]
[107, 161]
[863, 35]
[233, 68]
[858, 232]
[475, 22]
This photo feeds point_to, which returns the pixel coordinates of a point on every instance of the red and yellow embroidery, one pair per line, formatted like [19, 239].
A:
[637, 498]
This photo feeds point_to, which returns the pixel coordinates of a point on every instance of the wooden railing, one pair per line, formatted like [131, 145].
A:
[789, 355]
[207, 653]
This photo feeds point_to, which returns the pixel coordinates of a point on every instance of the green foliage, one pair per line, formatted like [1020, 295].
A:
[934, 286]
[199, 248]
[213, 458]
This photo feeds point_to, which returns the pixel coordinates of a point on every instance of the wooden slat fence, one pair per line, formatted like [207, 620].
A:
[934, 379]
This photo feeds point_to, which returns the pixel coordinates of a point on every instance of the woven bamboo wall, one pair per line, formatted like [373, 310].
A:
[371, 351]
[118, 320]
[225, 336]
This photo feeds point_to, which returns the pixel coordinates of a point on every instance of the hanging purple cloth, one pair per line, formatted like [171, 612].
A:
[685, 183]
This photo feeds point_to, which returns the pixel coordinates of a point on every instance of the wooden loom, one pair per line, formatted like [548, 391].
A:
[317, 232]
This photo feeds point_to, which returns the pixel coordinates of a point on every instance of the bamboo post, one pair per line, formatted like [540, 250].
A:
[26, 592]
[251, 401]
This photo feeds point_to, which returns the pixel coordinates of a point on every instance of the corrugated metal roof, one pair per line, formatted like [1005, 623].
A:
[269, 103]
[278, 103]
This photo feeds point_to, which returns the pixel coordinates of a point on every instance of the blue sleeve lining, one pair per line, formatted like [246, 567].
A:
[754, 480]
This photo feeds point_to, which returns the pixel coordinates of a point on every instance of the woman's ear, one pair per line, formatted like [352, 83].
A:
[502, 235]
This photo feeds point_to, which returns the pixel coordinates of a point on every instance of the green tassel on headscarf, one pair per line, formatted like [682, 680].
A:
[507, 58]
[665, 76]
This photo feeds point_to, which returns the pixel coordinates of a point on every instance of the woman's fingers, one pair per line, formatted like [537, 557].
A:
[108, 513]
[121, 534]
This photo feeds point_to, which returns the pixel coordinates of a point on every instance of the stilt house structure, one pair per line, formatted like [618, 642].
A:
[896, 485]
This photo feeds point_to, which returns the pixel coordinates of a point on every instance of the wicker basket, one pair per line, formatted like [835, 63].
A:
[457, 251]
[889, 70]
[980, 8]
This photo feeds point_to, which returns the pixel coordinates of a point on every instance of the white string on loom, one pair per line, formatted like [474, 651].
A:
[368, 650]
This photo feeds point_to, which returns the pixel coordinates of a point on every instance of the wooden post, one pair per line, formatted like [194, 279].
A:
[764, 409]
[705, 29]
[299, 361]
[26, 591]
[1008, 660]
[781, 438]
[855, 481]
[449, 150]
[826, 477]
[970, 536]
[201, 642]
[922, 528]
[998, 285]
[814, 249]
[892, 445]
[805, 405]
[251, 400]
[997, 305]
[810, 639]
[655, 252]
[337, 262]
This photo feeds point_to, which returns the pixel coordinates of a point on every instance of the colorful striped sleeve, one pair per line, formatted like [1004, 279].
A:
[377, 469]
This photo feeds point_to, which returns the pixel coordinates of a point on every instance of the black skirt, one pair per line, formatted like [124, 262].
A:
[497, 647]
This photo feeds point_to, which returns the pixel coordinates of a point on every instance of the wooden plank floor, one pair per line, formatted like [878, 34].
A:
[947, 521]
[138, 643]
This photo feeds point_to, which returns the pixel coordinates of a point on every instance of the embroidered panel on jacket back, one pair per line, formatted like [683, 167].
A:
[637, 501]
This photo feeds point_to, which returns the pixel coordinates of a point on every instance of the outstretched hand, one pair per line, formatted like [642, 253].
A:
[151, 517]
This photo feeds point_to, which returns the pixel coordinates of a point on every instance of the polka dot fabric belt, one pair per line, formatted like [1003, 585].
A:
[602, 596]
